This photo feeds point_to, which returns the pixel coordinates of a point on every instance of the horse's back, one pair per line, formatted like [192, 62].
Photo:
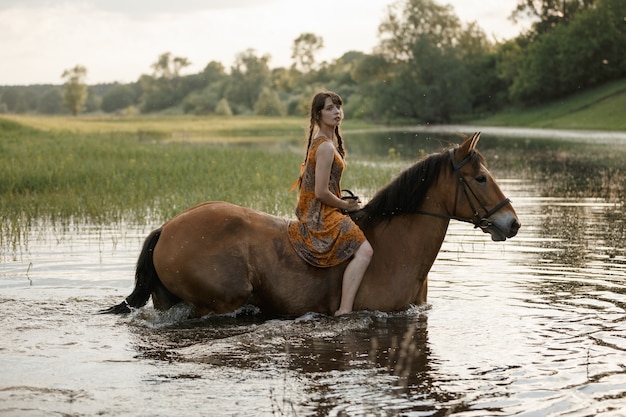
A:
[219, 256]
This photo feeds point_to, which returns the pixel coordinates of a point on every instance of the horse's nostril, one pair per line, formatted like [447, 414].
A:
[515, 226]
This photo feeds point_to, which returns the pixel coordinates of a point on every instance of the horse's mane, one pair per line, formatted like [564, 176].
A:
[405, 194]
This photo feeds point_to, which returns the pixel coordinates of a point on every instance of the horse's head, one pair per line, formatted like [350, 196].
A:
[477, 197]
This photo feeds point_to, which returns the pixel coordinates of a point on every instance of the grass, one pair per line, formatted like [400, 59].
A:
[169, 128]
[107, 176]
[214, 129]
[601, 108]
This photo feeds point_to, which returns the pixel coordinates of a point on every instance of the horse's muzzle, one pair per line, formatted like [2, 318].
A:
[501, 229]
[514, 228]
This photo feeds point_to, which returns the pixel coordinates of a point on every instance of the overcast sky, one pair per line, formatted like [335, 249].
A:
[118, 40]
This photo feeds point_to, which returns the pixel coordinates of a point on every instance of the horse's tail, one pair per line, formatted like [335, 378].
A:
[146, 278]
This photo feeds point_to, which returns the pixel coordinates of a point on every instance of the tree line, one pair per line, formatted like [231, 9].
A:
[428, 67]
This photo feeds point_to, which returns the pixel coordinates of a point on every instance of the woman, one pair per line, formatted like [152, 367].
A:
[324, 235]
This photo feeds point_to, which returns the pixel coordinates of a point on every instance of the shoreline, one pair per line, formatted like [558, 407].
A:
[596, 136]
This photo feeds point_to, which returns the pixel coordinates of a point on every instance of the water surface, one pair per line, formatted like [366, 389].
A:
[534, 326]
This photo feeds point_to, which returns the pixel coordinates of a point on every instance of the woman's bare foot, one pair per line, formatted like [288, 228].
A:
[342, 312]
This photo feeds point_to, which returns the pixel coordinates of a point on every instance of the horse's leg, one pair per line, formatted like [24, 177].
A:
[162, 299]
[420, 298]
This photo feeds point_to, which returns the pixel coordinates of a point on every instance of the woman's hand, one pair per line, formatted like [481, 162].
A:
[352, 204]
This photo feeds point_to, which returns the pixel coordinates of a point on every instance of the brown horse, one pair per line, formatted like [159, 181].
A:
[218, 257]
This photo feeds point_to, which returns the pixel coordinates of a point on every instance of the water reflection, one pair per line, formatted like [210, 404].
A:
[385, 357]
[581, 231]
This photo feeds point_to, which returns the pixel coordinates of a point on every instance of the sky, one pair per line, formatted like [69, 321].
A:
[119, 40]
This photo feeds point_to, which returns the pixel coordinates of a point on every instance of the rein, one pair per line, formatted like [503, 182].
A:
[481, 222]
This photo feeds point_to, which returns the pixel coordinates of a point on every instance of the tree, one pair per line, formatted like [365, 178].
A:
[371, 74]
[430, 55]
[478, 56]
[586, 52]
[409, 20]
[169, 67]
[304, 49]
[223, 108]
[213, 72]
[51, 102]
[204, 101]
[11, 99]
[549, 13]
[165, 87]
[249, 76]
[435, 86]
[285, 79]
[118, 98]
[269, 104]
[75, 92]
[29, 101]
[93, 102]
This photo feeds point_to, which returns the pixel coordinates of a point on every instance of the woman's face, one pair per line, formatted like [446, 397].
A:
[331, 114]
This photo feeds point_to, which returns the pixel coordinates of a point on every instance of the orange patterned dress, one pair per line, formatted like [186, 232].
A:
[323, 236]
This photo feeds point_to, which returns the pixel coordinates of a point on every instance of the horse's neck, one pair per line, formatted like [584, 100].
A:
[409, 244]
[418, 236]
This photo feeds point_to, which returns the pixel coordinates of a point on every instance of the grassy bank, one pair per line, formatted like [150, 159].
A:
[601, 108]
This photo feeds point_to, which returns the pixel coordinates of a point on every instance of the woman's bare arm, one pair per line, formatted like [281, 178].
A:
[324, 160]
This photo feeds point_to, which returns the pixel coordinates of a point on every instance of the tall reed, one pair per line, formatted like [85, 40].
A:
[109, 176]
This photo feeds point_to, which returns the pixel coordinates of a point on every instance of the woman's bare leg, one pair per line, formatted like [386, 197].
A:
[352, 277]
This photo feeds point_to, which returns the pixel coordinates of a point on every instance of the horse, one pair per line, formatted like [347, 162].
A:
[218, 257]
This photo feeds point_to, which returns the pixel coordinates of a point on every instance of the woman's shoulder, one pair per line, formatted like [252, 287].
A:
[325, 147]
[323, 141]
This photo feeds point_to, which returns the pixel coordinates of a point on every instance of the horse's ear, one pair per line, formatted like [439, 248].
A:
[468, 146]
[475, 138]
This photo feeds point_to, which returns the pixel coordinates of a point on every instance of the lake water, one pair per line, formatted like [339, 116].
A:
[535, 326]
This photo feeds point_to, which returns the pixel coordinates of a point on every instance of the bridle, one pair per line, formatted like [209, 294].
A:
[466, 191]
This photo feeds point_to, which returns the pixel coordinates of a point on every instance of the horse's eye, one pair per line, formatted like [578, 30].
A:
[481, 179]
